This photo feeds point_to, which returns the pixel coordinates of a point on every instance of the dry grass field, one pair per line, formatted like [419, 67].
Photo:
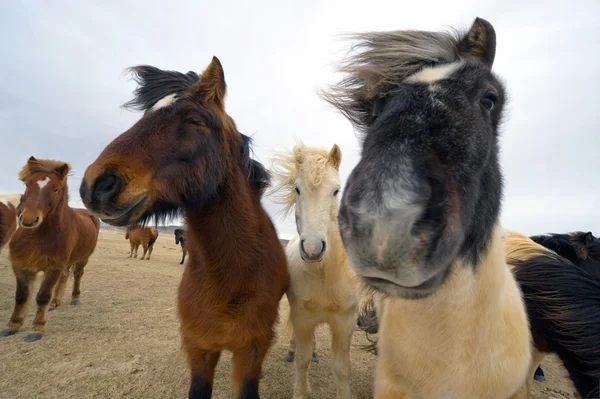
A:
[123, 341]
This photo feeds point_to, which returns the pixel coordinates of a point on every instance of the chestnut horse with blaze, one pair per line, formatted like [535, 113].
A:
[51, 238]
[195, 159]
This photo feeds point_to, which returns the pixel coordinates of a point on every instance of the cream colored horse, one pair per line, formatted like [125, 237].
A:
[322, 285]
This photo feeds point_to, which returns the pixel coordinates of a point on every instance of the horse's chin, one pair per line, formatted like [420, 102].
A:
[131, 213]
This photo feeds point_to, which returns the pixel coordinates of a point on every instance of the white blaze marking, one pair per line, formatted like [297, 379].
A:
[433, 74]
[43, 183]
[165, 101]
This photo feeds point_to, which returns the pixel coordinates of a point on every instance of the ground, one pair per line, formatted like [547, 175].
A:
[123, 340]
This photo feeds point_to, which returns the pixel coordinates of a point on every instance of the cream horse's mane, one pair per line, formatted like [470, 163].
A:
[286, 166]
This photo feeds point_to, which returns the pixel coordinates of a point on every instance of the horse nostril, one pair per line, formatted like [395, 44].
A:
[107, 187]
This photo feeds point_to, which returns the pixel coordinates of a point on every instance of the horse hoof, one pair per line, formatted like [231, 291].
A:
[261, 375]
[32, 337]
[75, 302]
[7, 333]
[290, 357]
[51, 309]
[315, 357]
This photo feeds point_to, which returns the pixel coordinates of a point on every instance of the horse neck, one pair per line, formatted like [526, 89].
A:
[469, 296]
[225, 231]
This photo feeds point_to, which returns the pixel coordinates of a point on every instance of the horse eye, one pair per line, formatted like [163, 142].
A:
[195, 122]
[297, 191]
[488, 101]
[336, 192]
[57, 190]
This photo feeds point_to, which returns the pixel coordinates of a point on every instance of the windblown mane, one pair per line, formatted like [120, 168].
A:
[380, 62]
[564, 300]
[287, 166]
[154, 84]
[41, 166]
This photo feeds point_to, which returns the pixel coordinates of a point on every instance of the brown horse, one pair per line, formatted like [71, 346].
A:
[8, 217]
[51, 238]
[195, 159]
[144, 236]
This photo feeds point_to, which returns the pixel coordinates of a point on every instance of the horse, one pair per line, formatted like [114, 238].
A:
[144, 236]
[52, 238]
[419, 215]
[8, 217]
[180, 239]
[322, 285]
[195, 159]
[563, 304]
[579, 248]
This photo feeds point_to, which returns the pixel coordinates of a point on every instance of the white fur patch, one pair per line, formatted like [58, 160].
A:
[43, 183]
[433, 74]
[164, 102]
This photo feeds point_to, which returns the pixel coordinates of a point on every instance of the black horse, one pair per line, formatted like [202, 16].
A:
[180, 239]
[583, 249]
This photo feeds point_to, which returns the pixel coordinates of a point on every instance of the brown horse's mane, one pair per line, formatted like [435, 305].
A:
[41, 166]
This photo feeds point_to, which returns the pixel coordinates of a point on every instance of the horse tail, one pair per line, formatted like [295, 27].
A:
[368, 321]
[563, 305]
[153, 236]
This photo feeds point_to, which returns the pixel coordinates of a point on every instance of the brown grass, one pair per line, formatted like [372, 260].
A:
[123, 341]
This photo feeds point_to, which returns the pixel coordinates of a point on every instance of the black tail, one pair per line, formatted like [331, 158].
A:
[368, 322]
[563, 304]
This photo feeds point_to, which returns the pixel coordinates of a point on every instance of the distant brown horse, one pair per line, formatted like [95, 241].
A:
[8, 217]
[51, 238]
[180, 239]
[195, 159]
[144, 236]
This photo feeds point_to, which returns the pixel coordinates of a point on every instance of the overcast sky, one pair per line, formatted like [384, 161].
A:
[62, 62]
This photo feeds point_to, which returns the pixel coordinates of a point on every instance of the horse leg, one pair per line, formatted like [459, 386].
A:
[43, 297]
[202, 366]
[342, 327]
[150, 248]
[247, 367]
[77, 274]
[292, 349]
[24, 282]
[304, 333]
[131, 250]
[59, 289]
[136, 250]
[183, 258]
[145, 248]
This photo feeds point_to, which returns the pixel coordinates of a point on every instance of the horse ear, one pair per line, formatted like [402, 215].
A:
[212, 84]
[335, 156]
[63, 170]
[479, 42]
[589, 237]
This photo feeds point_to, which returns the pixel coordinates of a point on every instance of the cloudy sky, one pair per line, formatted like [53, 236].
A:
[62, 83]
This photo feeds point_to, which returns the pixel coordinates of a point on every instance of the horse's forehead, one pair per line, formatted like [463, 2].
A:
[42, 180]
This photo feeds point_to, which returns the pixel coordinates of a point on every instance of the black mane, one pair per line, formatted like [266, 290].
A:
[256, 174]
[155, 84]
[562, 304]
